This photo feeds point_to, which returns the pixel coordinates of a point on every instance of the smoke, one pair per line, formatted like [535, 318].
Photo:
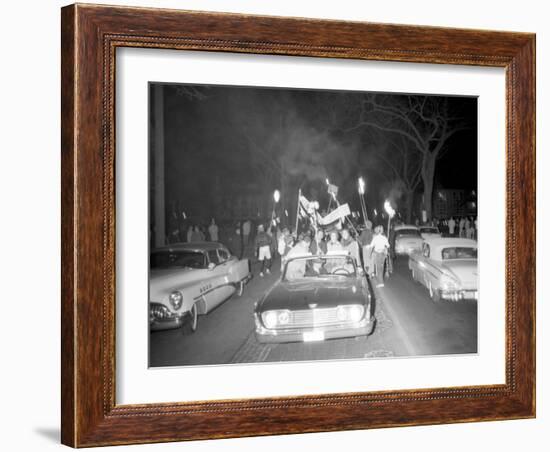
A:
[315, 155]
[392, 191]
[291, 130]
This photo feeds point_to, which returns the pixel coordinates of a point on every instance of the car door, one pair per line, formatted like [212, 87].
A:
[216, 287]
[424, 266]
[433, 268]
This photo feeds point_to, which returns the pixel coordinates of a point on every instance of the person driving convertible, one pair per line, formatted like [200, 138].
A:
[307, 266]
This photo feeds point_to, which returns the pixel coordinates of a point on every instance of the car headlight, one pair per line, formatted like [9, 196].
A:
[449, 283]
[277, 317]
[176, 299]
[350, 313]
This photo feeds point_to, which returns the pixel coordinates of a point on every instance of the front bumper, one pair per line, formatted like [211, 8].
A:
[279, 335]
[459, 295]
[166, 323]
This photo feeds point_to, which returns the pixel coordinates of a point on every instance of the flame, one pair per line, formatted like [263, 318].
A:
[286, 212]
[389, 209]
[361, 186]
[276, 196]
[326, 180]
[375, 213]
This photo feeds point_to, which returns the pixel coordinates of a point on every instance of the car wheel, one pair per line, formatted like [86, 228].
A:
[434, 294]
[193, 318]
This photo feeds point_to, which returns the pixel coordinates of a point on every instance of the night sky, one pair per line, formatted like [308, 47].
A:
[227, 139]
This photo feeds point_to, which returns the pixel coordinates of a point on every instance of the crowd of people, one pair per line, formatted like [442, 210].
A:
[369, 247]
[465, 226]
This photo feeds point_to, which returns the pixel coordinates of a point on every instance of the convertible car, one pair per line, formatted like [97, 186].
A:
[406, 239]
[190, 279]
[316, 298]
[447, 267]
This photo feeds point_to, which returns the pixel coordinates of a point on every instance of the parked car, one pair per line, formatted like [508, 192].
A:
[406, 239]
[191, 279]
[447, 267]
[318, 297]
[427, 232]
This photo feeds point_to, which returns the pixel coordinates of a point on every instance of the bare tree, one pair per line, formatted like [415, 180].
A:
[424, 125]
[402, 165]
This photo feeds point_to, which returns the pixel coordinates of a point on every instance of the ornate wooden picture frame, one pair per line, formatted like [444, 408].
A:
[90, 37]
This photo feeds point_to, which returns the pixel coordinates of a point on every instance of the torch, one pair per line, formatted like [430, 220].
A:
[389, 210]
[276, 198]
[391, 213]
[361, 190]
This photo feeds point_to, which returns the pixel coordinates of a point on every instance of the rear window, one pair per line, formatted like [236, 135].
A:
[459, 252]
[402, 232]
[177, 259]
[429, 230]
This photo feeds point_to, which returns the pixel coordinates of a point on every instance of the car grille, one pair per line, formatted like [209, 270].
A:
[158, 311]
[314, 317]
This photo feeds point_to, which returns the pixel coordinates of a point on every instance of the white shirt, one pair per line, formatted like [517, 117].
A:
[451, 225]
[380, 243]
[213, 230]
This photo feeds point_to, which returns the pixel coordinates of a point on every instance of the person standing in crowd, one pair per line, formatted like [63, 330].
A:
[296, 269]
[365, 240]
[451, 224]
[461, 230]
[213, 231]
[333, 245]
[246, 231]
[197, 235]
[470, 231]
[284, 244]
[278, 238]
[334, 242]
[235, 241]
[380, 247]
[318, 246]
[466, 226]
[189, 233]
[273, 244]
[475, 227]
[262, 245]
[351, 246]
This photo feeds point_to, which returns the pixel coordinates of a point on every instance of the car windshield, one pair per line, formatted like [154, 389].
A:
[459, 252]
[311, 267]
[177, 259]
[429, 230]
[402, 232]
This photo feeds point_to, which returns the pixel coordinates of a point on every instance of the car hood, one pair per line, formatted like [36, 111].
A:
[313, 294]
[464, 270]
[163, 281]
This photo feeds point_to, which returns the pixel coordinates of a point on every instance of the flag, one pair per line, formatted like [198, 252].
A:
[332, 189]
[340, 212]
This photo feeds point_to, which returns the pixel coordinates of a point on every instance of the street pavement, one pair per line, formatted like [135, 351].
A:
[408, 323]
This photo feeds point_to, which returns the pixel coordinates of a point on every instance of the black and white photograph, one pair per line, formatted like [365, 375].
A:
[301, 225]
